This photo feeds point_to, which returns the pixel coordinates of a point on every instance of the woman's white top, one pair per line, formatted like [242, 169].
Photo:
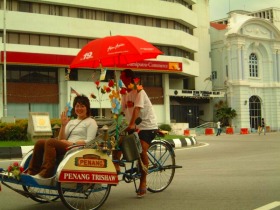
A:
[85, 130]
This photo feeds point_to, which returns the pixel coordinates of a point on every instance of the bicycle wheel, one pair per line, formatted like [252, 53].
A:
[83, 196]
[161, 166]
[41, 195]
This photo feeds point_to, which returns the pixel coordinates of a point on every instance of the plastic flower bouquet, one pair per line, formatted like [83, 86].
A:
[102, 90]
[15, 170]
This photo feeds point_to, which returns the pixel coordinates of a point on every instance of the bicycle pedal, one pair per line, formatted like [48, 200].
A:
[132, 170]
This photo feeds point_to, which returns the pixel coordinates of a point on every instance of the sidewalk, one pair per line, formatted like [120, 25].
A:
[223, 136]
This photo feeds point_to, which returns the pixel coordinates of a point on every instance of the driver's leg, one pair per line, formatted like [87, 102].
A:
[143, 180]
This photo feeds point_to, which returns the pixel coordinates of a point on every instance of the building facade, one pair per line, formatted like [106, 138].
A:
[43, 37]
[246, 62]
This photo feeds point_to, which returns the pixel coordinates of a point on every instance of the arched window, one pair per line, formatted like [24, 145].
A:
[253, 65]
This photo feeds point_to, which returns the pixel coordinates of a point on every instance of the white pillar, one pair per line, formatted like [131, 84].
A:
[62, 90]
[166, 97]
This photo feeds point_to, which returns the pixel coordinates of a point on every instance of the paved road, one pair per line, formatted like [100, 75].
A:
[230, 172]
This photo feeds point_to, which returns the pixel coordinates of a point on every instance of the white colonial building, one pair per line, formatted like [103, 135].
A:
[245, 51]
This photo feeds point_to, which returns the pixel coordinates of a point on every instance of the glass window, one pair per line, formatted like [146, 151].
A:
[253, 65]
[82, 13]
[151, 80]
[64, 11]
[54, 41]
[13, 38]
[110, 16]
[63, 41]
[100, 15]
[82, 43]
[34, 39]
[133, 20]
[35, 8]
[44, 40]
[24, 39]
[73, 12]
[45, 9]
[122, 19]
[73, 43]
[24, 6]
[32, 74]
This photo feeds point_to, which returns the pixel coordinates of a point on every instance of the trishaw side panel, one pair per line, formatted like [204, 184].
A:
[87, 166]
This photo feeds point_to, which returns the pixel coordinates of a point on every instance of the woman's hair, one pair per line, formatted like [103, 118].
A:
[81, 99]
[129, 74]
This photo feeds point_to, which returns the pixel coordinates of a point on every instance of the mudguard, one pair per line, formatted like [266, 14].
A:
[87, 166]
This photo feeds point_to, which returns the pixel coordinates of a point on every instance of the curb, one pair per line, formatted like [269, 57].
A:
[183, 142]
[14, 152]
[19, 152]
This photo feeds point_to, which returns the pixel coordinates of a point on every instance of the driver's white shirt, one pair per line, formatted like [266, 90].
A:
[140, 99]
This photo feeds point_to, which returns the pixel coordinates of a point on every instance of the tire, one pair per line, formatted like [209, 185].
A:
[161, 166]
[83, 196]
[44, 195]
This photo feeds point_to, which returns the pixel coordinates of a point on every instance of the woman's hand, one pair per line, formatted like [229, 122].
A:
[64, 118]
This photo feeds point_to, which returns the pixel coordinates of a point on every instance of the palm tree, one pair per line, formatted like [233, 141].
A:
[224, 113]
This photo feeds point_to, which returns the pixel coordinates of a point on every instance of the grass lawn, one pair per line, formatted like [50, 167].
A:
[29, 143]
[15, 143]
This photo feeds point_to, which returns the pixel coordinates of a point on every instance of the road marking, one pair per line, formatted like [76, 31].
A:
[269, 206]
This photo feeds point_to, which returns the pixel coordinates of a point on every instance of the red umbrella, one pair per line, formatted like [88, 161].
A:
[112, 51]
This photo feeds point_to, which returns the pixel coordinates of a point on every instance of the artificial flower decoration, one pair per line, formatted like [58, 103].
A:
[108, 90]
[93, 96]
[139, 88]
[136, 81]
[111, 83]
[130, 104]
[135, 85]
[103, 90]
[123, 91]
[15, 170]
[97, 83]
[131, 86]
[114, 94]
[120, 83]
[116, 106]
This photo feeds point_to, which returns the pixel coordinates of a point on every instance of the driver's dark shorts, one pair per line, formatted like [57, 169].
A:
[147, 135]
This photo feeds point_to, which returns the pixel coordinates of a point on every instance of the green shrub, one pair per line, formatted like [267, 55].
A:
[13, 131]
[165, 127]
[18, 131]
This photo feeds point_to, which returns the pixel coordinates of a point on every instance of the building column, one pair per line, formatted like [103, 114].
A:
[1, 92]
[166, 97]
[62, 89]
[241, 65]
[277, 66]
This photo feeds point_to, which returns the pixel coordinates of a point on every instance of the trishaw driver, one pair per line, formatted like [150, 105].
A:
[137, 104]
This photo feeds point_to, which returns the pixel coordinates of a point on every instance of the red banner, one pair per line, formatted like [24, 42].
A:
[65, 60]
[154, 65]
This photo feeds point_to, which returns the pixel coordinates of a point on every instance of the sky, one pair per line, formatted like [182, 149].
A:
[220, 8]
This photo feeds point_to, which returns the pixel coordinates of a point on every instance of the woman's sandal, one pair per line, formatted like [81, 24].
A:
[141, 192]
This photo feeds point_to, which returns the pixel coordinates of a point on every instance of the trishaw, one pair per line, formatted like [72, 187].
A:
[85, 174]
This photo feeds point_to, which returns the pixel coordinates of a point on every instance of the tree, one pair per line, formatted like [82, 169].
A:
[224, 113]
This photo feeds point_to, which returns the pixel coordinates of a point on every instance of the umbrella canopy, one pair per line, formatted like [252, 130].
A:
[112, 51]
